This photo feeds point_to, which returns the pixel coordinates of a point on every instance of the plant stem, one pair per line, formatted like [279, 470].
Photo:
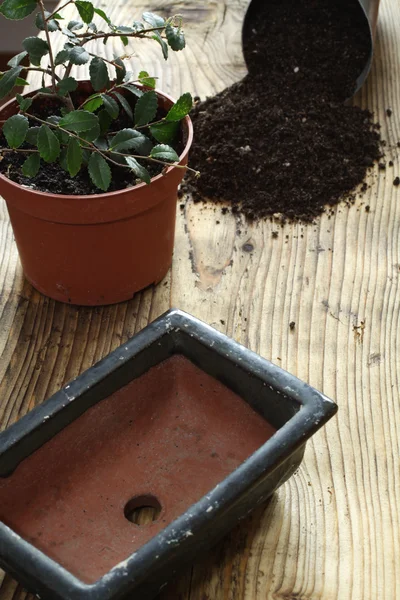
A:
[46, 71]
[46, 29]
[88, 37]
[58, 10]
[110, 62]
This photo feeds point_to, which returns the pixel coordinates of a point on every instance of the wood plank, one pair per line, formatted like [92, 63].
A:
[333, 530]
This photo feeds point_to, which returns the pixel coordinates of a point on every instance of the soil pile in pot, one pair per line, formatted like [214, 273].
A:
[282, 140]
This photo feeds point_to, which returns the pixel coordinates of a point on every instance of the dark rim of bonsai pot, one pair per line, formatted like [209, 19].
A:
[177, 333]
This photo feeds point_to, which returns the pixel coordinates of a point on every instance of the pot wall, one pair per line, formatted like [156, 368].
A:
[97, 249]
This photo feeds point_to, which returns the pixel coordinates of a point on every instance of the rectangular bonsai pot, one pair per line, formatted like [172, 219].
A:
[180, 418]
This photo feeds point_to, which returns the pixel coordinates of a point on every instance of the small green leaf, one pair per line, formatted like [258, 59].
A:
[16, 60]
[145, 79]
[125, 105]
[165, 132]
[48, 144]
[32, 135]
[130, 139]
[138, 26]
[17, 9]
[74, 156]
[164, 46]
[153, 20]
[68, 33]
[86, 10]
[51, 24]
[140, 172]
[123, 29]
[98, 74]
[15, 129]
[93, 103]
[164, 152]
[133, 89]
[79, 120]
[75, 25]
[99, 171]
[69, 84]
[36, 48]
[21, 82]
[181, 108]
[110, 105]
[63, 159]
[92, 134]
[92, 27]
[146, 108]
[61, 57]
[105, 121]
[79, 56]
[8, 80]
[31, 166]
[120, 70]
[63, 136]
[124, 40]
[175, 37]
[24, 103]
[103, 15]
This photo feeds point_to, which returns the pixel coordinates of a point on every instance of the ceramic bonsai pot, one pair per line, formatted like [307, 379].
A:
[180, 418]
[96, 249]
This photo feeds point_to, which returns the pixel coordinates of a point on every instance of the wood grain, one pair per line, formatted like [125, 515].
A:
[333, 530]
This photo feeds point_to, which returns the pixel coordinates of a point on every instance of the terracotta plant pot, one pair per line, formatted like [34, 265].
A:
[101, 248]
[180, 420]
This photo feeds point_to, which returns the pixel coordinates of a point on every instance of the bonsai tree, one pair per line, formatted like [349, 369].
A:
[86, 132]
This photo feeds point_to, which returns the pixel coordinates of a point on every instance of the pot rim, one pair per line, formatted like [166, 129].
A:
[187, 120]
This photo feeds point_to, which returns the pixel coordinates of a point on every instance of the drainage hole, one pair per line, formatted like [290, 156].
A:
[142, 510]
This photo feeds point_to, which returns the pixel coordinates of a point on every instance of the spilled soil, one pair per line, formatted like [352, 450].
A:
[284, 140]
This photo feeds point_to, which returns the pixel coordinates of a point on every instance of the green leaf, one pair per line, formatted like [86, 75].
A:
[68, 33]
[105, 121]
[75, 25]
[140, 172]
[74, 156]
[181, 108]
[98, 74]
[15, 129]
[51, 24]
[124, 40]
[145, 79]
[48, 144]
[125, 105]
[17, 9]
[63, 136]
[120, 70]
[133, 89]
[63, 159]
[110, 105]
[130, 139]
[32, 135]
[24, 103]
[99, 171]
[175, 37]
[93, 103]
[153, 20]
[21, 82]
[36, 48]
[79, 56]
[165, 132]
[86, 10]
[156, 36]
[31, 166]
[61, 57]
[8, 80]
[79, 120]
[92, 134]
[16, 60]
[123, 29]
[103, 15]
[146, 108]
[164, 152]
[69, 84]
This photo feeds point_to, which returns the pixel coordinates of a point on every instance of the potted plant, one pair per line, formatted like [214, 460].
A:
[90, 169]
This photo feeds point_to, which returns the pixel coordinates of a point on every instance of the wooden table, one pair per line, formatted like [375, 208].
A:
[333, 530]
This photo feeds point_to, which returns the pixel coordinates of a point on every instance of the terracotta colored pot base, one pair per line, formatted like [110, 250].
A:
[162, 441]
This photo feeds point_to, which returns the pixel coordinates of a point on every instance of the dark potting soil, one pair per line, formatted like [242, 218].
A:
[282, 140]
[52, 178]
